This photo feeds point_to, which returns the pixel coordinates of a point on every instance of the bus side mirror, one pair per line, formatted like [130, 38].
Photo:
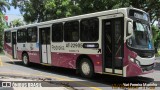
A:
[130, 28]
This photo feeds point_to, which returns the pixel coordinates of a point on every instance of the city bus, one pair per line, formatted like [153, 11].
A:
[115, 42]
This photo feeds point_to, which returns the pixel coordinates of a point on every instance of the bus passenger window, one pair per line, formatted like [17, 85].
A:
[7, 37]
[89, 29]
[57, 32]
[71, 31]
[75, 36]
[32, 34]
[33, 38]
[21, 36]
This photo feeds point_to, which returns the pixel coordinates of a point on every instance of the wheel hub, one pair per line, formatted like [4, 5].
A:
[85, 68]
[25, 59]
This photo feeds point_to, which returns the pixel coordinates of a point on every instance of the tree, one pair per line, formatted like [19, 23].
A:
[60, 9]
[43, 10]
[152, 7]
[2, 26]
[89, 6]
[3, 5]
[17, 22]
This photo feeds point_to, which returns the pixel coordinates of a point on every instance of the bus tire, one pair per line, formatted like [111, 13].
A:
[25, 59]
[86, 68]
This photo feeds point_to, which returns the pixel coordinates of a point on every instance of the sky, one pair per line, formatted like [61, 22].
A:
[13, 11]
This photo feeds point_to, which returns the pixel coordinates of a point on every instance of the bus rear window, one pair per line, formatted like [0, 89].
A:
[89, 29]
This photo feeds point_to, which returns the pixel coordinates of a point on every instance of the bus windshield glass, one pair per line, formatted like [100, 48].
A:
[142, 36]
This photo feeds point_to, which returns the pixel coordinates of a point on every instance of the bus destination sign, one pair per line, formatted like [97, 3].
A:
[138, 15]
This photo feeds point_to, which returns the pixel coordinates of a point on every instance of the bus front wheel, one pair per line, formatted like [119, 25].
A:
[25, 59]
[86, 68]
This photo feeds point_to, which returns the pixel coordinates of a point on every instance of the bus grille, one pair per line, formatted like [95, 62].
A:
[147, 67]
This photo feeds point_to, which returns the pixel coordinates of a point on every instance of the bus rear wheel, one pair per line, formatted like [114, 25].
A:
[86, 68]
[25, 59]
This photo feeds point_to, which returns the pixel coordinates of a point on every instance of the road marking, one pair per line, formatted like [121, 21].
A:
[1, 63]
[58, 78]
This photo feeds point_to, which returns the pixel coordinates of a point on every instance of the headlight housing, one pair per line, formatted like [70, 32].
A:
[134, 60]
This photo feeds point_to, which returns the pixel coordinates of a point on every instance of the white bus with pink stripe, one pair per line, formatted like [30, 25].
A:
[115, 42]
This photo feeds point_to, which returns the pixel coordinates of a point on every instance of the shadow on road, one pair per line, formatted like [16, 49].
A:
[103, 79]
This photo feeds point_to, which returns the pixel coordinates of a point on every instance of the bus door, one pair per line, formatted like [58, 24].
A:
[112, 43]
[14, 47]
[45, 47]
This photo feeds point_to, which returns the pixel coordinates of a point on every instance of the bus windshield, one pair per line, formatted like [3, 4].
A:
[142, 36]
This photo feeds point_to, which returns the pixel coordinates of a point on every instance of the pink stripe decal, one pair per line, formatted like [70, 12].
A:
[132, 68]
[68, 60]
[8, 48]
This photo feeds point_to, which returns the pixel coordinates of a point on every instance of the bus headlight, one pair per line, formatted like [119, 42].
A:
[134, 60]
[131, 59]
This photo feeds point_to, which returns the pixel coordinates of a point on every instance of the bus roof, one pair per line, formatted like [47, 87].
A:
[101, 13]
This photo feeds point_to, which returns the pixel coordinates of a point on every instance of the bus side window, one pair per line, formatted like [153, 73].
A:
[89, 29]
[29, 35]
[32, 34]
[57, 32]
[71, 31]
[21, 36]
[7, 37]
[75, 36]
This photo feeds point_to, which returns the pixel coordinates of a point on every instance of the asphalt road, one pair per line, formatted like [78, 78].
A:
[68, 77]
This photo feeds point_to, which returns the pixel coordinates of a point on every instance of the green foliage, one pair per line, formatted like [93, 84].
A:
[1, 31]
[156, 37]
[3, 5]
[17, 22]
[43, 10]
